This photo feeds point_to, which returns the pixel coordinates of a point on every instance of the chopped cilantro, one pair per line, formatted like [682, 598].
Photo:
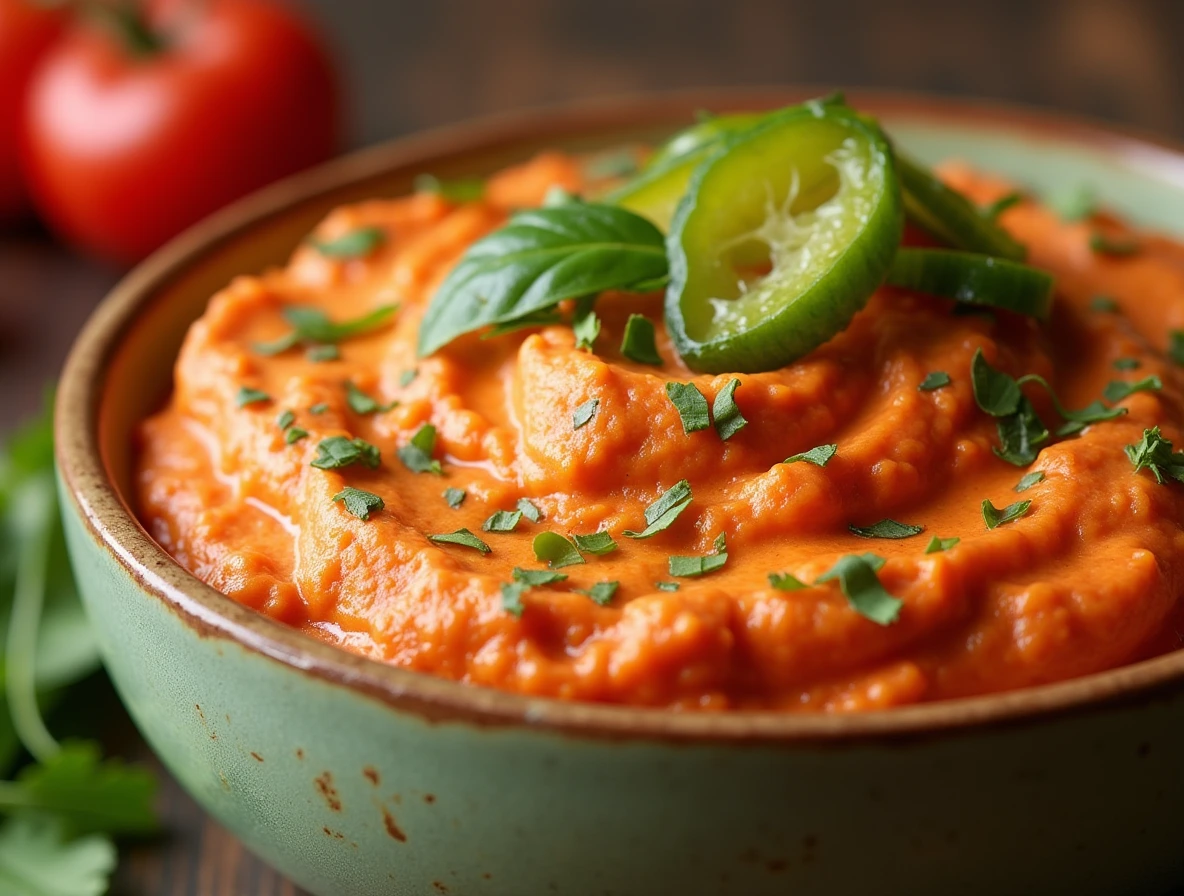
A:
[1176, 346]
[689, 567]
[1029, 480]
[247, 395]
[1153, 452]
[860, 584]
[536, 577]
[934, 380]
[666, 586]
[360, 503]
[361, 403]
[937, 545]
[555, 550]
[454, 497]
[512, 597]
[784, 581]
[819, 456]
[462, 537]
[502, 521]
[1126, 363]
[407, 377]
[312, 327]
[994, 517]
[638, 342]
[597, 543]
[665, 510]
[286, 419]
[529, 510]
[318, 354]
[295, 434]
[338, 451]
[602, 592]
[586, 328]
[1117, 390]
[416, 455]
[691, 406]
[319, 408]
[887, 529]
[355, 244]
[584, 413]
[728, 419]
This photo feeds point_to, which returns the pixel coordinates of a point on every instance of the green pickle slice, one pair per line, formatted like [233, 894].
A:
[785, 231]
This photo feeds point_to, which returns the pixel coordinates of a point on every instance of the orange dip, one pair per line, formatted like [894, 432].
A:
[1088, 580]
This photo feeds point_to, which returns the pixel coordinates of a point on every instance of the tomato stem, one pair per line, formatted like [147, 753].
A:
[127, 20]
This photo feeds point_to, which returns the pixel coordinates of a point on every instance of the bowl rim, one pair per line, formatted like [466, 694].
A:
[111, 524]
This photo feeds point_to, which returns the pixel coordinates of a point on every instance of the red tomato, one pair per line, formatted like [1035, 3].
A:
[26, 31]
[123, 150]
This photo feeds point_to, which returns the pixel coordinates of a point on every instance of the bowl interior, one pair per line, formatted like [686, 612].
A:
[121, 369]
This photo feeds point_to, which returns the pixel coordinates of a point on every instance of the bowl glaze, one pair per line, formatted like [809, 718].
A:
[358, 779]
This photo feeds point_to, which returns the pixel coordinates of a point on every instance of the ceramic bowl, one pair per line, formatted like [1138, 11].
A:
[358, 779]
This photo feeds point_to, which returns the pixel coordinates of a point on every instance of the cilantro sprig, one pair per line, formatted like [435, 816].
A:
[312, 328]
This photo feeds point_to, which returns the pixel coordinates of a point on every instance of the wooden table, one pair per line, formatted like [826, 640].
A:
[414, 65]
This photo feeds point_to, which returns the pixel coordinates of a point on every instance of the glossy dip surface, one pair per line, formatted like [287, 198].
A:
[1087, 580]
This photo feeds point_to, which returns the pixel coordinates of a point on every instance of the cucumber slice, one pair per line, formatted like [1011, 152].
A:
[974, 279]
[785, 232]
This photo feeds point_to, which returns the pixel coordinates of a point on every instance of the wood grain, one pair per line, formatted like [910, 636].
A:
[412, 65]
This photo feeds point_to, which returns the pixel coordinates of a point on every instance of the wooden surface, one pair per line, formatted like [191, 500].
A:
[410, 65]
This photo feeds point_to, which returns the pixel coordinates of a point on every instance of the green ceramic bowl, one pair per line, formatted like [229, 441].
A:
[358, 779]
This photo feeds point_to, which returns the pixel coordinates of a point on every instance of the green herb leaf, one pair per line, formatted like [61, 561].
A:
[526, 322]
[937, 545]
[319, 408]
[1127, 363]
[358, 502]
[529, 510]
[819, 456]
[312, 327]
[1021, 435]
[336, 452]
[294, 435]
[995, 392]
[602, 592]
[512, 598]
[361, 403]
[586, 329]
[993, 210]
[861, 586]
[319, 354]
[691, 406]
[454, 191]
[665, 510]
[934, 380]
[1176, 346]
[555, 550]
[462, 537]
[1101, 244]
[247, 395]
[286, 419]
[1117, 390]
[995, 517]
[541, 257]
[887, 529]
[584, 412]
[1103, 305]
[454, 497]
[407, 377]
[537, 577]
[690, 567]
[355, 244]
[502, 521]
[1074, 203]
[728, 419]
[638, 343]
[416, 455]
[597, 543]
[1153, 452]
[667, 586]
[1029, 480]
[784, 581]
[36, 859]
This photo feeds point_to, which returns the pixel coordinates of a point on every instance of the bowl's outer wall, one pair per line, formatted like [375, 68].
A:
[1086, 802]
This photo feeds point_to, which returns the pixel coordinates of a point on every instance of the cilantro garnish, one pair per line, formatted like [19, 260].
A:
[355, 244]
[638, 343]
[819, 456]
[407, 377]
[601, 593]
[502, 521]
[462, 537]
[319, 354]
[691, 406]
[860, 584]
[285, 419]
[246, 395]
[361, 403]
[726, 413]
[784, 581]
[454, 497]
[1153, 452]
[584, 413]
[886, 529]
[937, 545]
[1176, 346]
[536, 577]
[294, 435]
[1029, 480]
[311, 327]
[935, 380]
[1126, 363]
[512, 597]
[416, 455]
[1101, 244]
[319, 408]
[667, 586]
[665, 510]
[586, 328]
[690, 567]
[994, 517]
[1117, 390]
[597, 543]
[336, 452]
[358, 502]
[555, 550]
[529, 510]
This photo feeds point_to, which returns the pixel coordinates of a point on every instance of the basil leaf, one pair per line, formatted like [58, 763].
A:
[934, 380]
[526, 322]
[247, 395]
[416, 455]
[728, 419]
[1176, 346]
[586, 329]
[602, 592]
[584, 413]
[455, 191]
[1029, 480]
[995, 392]
[541, 257]
[937, 545]
[360, 503]
[535, 577]
[462, 537]
[995, 517]
[502, 521]
[819, 456]
[407, 377]
[861, 586]
[454, 497]
[512, 598]
[638, 344]
[1100, 244]
[355, 244]
[993, 210]
[597, 543]
[1103, 305]
[691, 406]
[1117, 390]
[294, 435]
[783, 581]
[555, 550]
[1021, 435]
[1126, 364]
[665, 510]
[528, 510]
[1153, 452]
[887, 529]
[336, 452]
[691, 567]
[361, 403]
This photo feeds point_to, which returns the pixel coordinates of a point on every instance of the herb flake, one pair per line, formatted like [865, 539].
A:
[462, 537]
[584, 413]
[601, 593]
[819, 456]
[691, 406]
[937, 545]
[354, 244]
[784, 581]
[665, 510]
[1029, 480]
[638, 344]
[887, 529]
[247, 396]
[555, 550]
[598, 543]
[358, 502]
[994, 517]
[336, 452]
[502, 521]
[935, 380]
[860, 584]
[416, 455]
[726, 413]
[454, 497]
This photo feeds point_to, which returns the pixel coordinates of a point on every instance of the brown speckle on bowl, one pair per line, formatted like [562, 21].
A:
[256, 756]
[300, 754]
[371, 775]
[429, 798]
[392, 827]
[324, 785]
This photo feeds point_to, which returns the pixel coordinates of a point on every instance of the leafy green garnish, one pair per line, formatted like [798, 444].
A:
[1029, 480]
[454, 497]
[529, 510]
[1074, 203]
[784, 581]
[555, 550]
[512, 597]
[887, 529]
[285, 419]
[819, 456]
[538, 259]
[312, 327]
[601, 593]
[407, 377]
[726, 413]
[336, 452]
[690, 567]
[584, 412]
[1021, 435]
[934, 380]
[294, 435]
[358, 502]
[502, 521]
[416, 455]
[1176, 346]
[536, 577]
[638, 343]
[995, 392]
[361, 403]
[667, 586]
[994, 517]
[691, 406]
[586, 328]
[665, 510]
[597, 543]
[462, 537]
[455, 191]
[319, 408]
[1153, 452]
[36, 859]
[1117, 390]
[993, 210]
[860, 584]
[1101, 244]
[355, 244]
[1103, 305]
[937, 545]
[247, 395]
[319, 354]
[1126, 363]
